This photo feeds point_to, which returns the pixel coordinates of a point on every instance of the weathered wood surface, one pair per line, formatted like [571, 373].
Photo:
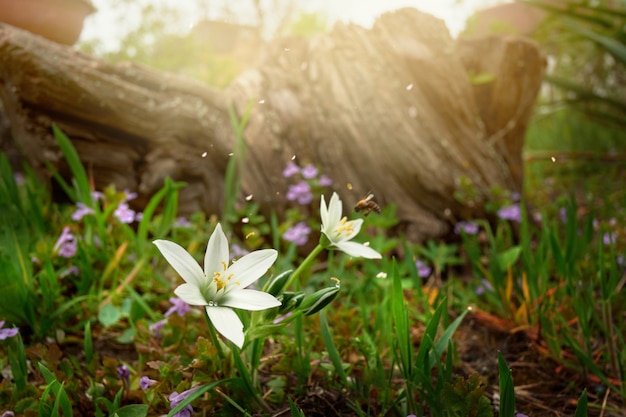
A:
[389, 109]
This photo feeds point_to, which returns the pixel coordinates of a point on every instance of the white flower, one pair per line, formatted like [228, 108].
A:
[339, 230]
[220, 288]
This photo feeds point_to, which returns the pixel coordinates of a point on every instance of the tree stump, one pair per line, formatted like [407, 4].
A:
[390, 110]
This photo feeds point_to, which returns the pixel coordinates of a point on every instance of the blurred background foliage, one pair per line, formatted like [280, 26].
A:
[578, 130]
[576, 143]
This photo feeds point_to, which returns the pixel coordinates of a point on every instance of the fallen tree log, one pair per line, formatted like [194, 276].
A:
[390, 109]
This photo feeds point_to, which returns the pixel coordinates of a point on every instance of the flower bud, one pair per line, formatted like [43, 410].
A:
[276, 285]
[318, 300]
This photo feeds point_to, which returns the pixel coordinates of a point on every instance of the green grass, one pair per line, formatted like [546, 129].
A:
[353, 336]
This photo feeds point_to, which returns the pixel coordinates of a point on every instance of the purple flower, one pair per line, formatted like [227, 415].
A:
[155, 328]
[237, 251]
[470, 228]
[124, 213]
[6, 333]
[298, 233]
[97, 195]
[8, 414]
[300, 192]
[19, 178]
[291, 169]
[123, 373]
[129, 195]
[325, 181]
[72, 270]
[423, 270]
[485, 286]
[178, 306]
[66, 244]
[563, 214]
[281, 318]
[512, 212]
[145, 383]
[81, 211]
[176, 398]
[182, 222]
[309, 171]
[608, 238]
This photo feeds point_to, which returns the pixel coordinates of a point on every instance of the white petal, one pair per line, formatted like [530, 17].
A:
[252, 266]
[216, 252]
[358, 250]
[182, 262]
[227, 324]
[252, 300]
[334, 210]
[324, 214]
[356, 228]
[190, 294]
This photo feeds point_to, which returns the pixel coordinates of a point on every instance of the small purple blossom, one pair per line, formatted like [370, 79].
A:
[97, 195]
[300, 192]
[298, 233]
[65, 245]
[563, 214]
[325, 181]
[72, 270]
[124, 213]
[469, 227]
[237, 251]
[155, 328]
[309, 171]
[178, 306]
[512, 212]
[291, 169]
[608, 238]
[281, 318]
[123, 373]
[182, 222]
[129, 195]
[19, 178]
[81, 211]
[176, 398]
[9, 332]
[484, 286]
[423, 270]
[8, 413]
[145, 383]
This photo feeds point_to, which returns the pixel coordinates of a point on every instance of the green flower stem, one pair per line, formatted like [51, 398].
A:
[316, 251]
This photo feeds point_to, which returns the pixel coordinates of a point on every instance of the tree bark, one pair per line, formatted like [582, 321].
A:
[389, 110]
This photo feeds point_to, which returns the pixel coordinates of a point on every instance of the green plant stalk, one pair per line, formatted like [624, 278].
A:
[304, 265]
[607, 317]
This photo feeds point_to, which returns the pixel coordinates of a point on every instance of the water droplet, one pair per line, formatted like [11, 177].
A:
[553, 159]
[245, 220]
[293, 157]
[212, 304]
[249, 197]
[204, 154]
[231, 154]
[409, 87]
[262, 101]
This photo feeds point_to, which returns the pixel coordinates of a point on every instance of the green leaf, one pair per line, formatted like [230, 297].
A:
[507, 389]
[508, 257]
[109, 315]
[333, 353]
[133, 410]
[581, 407]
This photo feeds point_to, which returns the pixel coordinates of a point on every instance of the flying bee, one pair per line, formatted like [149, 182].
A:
[367, 205]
